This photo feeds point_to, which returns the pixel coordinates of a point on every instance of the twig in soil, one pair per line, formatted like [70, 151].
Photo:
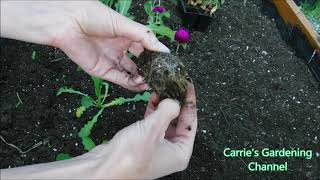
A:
[20, 102]
[21, 151]
[314, 53]
[222, 112]
[56, 60]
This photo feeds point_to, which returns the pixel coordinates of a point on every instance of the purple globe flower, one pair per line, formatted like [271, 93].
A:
[182, 35]
[158, 9]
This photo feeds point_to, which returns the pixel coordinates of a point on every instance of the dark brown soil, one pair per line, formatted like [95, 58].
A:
[252, 91]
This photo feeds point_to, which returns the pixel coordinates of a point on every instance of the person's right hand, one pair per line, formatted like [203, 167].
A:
[156, 146]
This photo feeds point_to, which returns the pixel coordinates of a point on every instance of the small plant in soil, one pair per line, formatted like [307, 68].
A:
[101, 92]
[121, 6]
[34, 55]
[208, 6]
[156, 14]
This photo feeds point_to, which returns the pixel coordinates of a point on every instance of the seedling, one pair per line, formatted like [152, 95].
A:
[121, 6]
[155, 22]
[101, 92]
[34, 55]
[208, 6]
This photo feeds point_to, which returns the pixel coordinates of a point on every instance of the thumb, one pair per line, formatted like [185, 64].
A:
[158, 121]
[138, 33]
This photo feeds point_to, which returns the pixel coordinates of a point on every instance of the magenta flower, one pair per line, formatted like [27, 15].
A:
[158, 9]
[182, 35]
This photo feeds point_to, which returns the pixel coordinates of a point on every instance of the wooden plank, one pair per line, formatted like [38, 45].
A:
[291, 14]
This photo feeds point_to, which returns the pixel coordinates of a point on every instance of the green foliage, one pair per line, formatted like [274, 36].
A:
[63, 156]
[87, 102]
[88, 143]
[69, 90]
[175, 2]
[86, 131]
[148, 8]
[156, 22]
[123, 6]
[209, 6]
[121, 100]
[33, 55]
[162, 31]
[80, 110]
[98, 86]
[311, 9]
[107, 2]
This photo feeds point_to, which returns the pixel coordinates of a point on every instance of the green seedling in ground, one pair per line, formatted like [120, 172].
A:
[101, 93]
[156, 23]
[62, 156]
[121, 6]
[34, 55]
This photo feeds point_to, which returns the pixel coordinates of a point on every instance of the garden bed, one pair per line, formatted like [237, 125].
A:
[252, 92]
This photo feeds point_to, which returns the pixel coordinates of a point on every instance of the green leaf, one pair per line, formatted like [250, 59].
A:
[87, 101]
[88, 143]
[131, 17]
[97, 86]
[121, 100]
[166, 14]
[123, 6]
[69, 90]
[185, 45]
[86, 129]
[148, 7]
[162, 30]
[175, 2]
[107, 2]
[116, 102]
[144, 97]
[33, 56]
[63, 156]
[80, 110]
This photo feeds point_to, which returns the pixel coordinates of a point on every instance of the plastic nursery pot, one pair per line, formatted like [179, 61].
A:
[193, 18]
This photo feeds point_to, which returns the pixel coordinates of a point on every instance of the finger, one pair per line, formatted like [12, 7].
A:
[187, 122]
[158, 121]
[152, 104]
[128, 65]
[125, 80]
[136, 49]
[171, 131]
[138, 33]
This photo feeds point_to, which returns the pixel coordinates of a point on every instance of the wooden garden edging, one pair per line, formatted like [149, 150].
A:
[291, 14]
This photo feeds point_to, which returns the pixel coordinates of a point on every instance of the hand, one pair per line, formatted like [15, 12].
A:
[156, 146]
[94, 36]
[99, 39]
[159, 145]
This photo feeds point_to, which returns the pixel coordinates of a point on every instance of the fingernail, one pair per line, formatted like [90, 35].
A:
[162, 48]
[138, 79]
